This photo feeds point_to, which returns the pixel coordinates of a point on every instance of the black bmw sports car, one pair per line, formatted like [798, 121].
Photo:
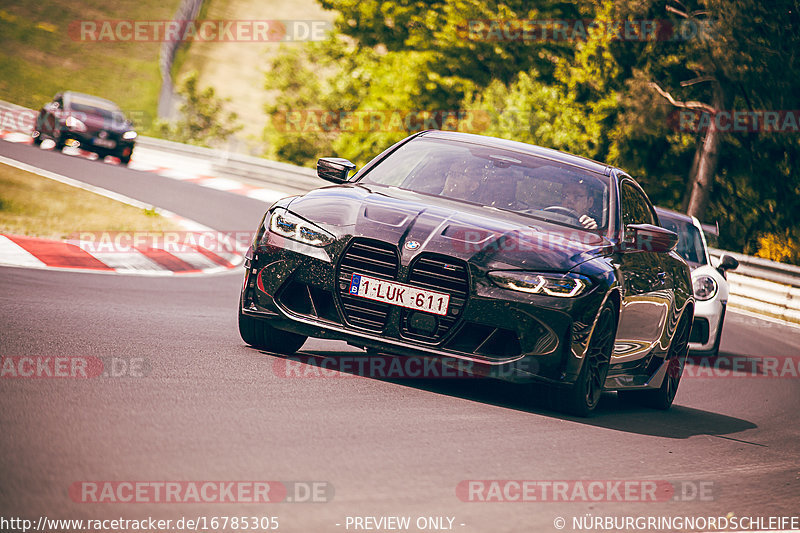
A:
[87, 122]
[533, 265]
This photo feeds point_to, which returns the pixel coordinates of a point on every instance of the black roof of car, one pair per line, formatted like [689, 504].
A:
[708, 229]
[525, 148]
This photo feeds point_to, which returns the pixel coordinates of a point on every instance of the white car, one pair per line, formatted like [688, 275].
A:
[710, 284]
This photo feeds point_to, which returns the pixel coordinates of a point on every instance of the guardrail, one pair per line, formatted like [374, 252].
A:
[763, 286]
[230, 164]
[758, 285]
[187, 11]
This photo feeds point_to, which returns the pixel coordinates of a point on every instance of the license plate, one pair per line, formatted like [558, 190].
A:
[105, 143]
[399, 294]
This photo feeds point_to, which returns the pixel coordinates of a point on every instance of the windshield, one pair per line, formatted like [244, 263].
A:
[497, 178]
[109, 114]
[690, 242]
[82, 106]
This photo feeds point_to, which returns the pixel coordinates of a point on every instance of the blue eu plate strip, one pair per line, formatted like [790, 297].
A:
[354, 283]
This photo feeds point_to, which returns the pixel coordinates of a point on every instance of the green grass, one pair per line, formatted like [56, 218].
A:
[41, 57]
[40, 207]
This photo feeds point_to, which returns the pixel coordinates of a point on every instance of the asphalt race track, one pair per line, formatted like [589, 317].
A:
[207, 407]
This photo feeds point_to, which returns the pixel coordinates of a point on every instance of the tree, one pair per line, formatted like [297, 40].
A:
[204, 121]
[603, 95]
[403, 57]
[738, 59]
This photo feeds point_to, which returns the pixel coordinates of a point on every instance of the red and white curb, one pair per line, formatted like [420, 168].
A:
[33, 252]
[195, 250]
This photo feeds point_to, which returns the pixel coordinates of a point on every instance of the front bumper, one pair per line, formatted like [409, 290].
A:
[89, 142]
[513, 336]
[707, 324]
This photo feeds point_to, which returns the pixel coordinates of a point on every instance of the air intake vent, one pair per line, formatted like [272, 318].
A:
[374, 258]
[443, 274]
[308, 300]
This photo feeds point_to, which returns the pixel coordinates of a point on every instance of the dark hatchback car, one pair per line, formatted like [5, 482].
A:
[87, 122]
[533, 265]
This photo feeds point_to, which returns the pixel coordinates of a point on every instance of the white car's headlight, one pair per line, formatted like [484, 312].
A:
[129, 135]
[75, 124]
[705, 287]
[562, 285]
[289, 225]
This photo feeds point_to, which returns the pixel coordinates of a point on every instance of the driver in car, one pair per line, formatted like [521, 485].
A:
[575, 196]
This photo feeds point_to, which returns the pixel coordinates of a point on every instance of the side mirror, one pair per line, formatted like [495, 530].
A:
[726, 263]
[335, 169]
[649, 238]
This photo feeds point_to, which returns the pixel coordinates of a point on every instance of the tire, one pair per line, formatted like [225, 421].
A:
[124, 161]
[259, 334]
[59, 142]
[662, 397]
[582, 398]
[37, 139]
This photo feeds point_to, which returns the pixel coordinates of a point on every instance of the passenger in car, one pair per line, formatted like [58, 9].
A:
[462, 180]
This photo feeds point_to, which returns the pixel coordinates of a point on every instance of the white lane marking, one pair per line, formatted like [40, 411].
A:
[267, 195]
[222, 184]
[196, 259]
[13, 254]
[125, 261]
[143, 167]
[176, 174]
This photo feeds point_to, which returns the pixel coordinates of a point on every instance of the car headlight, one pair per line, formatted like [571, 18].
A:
[561, 285]
[75, 124]
[129, 135]
[291, 226]
[705, 287]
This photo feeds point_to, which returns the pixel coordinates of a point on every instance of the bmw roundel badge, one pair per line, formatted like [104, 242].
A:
[412, 245]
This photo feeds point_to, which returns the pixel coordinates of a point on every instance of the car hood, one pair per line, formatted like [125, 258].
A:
[418, 222]
[96, 121]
